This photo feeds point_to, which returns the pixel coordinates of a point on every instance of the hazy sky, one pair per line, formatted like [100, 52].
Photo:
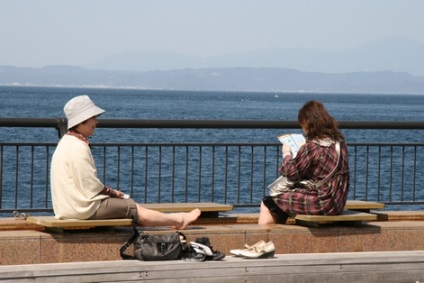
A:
[36, 33]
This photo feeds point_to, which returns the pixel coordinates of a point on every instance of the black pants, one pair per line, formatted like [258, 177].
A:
[273, 207]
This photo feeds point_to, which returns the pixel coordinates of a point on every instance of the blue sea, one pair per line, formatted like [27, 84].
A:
[32, 102]
[43, 102]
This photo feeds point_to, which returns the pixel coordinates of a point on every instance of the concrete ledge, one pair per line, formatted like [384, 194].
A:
[400, 215]
[35, 247]
[331, 267]
[100, 244]
[13, 224]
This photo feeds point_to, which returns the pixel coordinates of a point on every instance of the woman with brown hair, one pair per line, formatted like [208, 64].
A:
[314, 161]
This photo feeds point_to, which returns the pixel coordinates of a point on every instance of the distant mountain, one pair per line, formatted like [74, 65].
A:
[218, 79]
[397, 54]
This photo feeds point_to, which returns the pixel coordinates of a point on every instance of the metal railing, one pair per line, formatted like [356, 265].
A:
[234, 173]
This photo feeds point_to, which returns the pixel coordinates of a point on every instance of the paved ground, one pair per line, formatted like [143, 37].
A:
[329, 267]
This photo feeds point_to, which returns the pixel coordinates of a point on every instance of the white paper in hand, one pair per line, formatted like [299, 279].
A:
[295, 141]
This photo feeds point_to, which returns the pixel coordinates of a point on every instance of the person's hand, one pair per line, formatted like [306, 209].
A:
[286, 150]
[119, 194]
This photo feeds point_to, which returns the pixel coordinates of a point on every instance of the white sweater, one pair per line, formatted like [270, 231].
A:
[75, 186]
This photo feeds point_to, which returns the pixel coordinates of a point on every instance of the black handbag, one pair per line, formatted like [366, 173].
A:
[149, 247]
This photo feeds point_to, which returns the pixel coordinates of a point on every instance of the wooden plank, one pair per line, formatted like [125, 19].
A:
[348, 215]
[208, 210]
[355, 217]
[364, 206]
[186, 207]
[51, 221]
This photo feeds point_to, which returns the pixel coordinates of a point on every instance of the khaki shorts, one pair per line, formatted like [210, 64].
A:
[116, 208]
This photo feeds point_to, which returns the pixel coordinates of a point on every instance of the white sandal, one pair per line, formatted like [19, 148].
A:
[247, 247]
[264, 251]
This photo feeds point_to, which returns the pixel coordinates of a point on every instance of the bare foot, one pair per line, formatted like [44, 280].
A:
[187, 218]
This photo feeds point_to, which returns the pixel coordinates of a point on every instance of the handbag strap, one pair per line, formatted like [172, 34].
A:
[130, 241]
[323, 181]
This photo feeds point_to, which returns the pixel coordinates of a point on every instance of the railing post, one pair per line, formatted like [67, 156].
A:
[62, 125]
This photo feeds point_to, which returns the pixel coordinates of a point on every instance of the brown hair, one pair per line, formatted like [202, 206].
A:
[317, 122]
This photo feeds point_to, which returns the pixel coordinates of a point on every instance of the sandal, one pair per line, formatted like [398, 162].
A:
[247, 247]
[202, 250]
[264, 251]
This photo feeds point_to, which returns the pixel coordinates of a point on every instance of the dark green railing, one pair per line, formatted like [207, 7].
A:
[234, 173]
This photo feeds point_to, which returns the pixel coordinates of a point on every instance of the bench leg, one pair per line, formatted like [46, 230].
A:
[361, 210]
[60, 230]
[209, 214]
[321, 224]
[307, 223]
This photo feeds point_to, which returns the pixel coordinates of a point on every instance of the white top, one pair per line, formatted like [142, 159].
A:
[75, 186]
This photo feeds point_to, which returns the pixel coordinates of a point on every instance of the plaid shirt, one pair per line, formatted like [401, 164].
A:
[314, 162]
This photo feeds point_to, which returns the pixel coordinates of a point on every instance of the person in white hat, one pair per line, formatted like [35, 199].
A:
[77, 193]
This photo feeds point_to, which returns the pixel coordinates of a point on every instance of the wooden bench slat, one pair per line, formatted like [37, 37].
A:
[186, 207]
[208, 210]
[354, 217]
[348, 215]
[360, 205]
[51, 221]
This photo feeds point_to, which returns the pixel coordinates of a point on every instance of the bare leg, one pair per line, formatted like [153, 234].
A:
[148, 217]
[265, 216]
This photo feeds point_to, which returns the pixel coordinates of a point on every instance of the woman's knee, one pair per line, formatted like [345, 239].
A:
[272, 206]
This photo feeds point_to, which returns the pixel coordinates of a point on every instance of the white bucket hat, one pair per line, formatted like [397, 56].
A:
[79, 109]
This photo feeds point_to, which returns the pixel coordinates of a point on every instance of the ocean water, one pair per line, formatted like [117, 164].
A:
[31, 102]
